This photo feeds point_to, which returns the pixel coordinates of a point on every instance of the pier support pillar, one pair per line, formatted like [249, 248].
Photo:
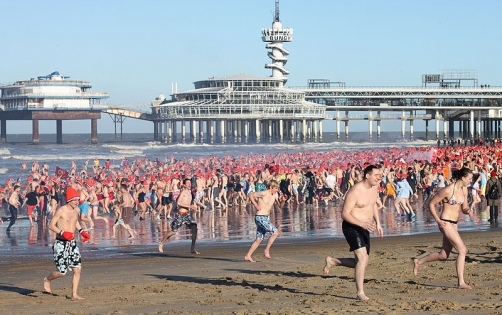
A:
[201, 131]
[304, 130]
[169, 131]
[338, 124]
[183, 131]
[246, 130]
[437, 125]
[258, 131]
[445, 129]
[3, 132]
[155, 131]
[320, 129]
[269, 123]
[59, 131]
[347, 125]
[379, 130]
[426, 130]
[94, 131]
[35, 134]
[193, 133]
[235, 130]
[292, 131]
[370, 123]
[223, 131]
[166, 137]
[403, 125]
[411, 129]
[281, 132]
[479, 125]
[211, 132]
[451, 129]
[175, 131]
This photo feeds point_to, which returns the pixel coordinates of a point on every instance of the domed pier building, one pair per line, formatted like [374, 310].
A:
[242, 107]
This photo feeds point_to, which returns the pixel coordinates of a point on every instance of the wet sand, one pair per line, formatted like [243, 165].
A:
[140, 280]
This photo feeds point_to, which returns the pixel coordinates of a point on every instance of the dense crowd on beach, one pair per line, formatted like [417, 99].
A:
[365, 181]
[305, 178]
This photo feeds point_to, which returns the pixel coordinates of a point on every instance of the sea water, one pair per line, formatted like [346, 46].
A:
[214, 226]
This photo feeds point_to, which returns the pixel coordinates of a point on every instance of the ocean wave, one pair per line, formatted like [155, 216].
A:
[43, 158]
[4, 151]
[128, 153]
[3, 170]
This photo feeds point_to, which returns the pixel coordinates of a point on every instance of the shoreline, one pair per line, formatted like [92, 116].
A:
[220, 281]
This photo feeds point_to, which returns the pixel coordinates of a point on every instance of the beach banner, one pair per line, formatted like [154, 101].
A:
[61, 173]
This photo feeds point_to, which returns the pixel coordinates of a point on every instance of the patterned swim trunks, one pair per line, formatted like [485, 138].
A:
[181, 219]
[66, 255]
[263, 225]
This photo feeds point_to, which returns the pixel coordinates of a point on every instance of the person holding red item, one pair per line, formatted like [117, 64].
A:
[66, 253]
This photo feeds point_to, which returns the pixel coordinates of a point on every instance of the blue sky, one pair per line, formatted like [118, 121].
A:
[134, 50]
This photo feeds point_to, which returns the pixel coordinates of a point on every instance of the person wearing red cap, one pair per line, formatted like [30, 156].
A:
[66, 252]
[183, 217]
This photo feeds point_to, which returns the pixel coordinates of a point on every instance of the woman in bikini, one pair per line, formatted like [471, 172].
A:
[454, 198]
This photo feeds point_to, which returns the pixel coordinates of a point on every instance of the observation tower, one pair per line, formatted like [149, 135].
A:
[276, 36]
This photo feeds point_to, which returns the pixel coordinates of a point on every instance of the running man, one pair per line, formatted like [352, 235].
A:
[360, 217]
[14, 204]
[66, 252]
[264, 202]
[183, 217]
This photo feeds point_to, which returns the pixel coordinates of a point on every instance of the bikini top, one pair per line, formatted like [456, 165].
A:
[452, 201]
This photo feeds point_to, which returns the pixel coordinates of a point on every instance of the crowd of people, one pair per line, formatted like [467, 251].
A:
[171, 189]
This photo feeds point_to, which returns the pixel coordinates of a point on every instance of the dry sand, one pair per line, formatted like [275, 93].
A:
[219, 281]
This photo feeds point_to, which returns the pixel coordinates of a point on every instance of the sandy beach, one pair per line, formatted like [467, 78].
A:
[140, 280]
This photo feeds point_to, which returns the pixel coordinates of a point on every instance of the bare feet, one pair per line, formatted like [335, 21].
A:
[160, 247]
[77, 298]
[47, 286]
[415, 266]
[330, 262]
[249, 258]
[362, 297]
[194, 252]
[464, 287]
[267, 255]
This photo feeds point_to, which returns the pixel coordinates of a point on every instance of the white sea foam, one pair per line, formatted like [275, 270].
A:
[3, 170]
[4, 151]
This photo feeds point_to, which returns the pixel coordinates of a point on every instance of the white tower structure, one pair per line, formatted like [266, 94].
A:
[276, 36]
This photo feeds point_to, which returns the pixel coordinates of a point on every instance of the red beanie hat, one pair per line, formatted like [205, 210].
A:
[493, 174]
[72, 194]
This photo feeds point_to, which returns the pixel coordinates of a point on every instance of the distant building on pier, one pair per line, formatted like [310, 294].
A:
[242, 106]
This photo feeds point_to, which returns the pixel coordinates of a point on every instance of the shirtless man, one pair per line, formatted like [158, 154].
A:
[223, 190]
[94, 205]
[14, 204]
[66, 253]
[124, 213]
[360, 217]
[200, 187]
[264, 202]
[183, 217]
[84, 206]
[294, 185]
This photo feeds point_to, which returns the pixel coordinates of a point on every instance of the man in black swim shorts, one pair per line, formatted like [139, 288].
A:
[360, 217]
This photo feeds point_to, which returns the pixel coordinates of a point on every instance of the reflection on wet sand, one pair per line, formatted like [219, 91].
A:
[233, 224]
